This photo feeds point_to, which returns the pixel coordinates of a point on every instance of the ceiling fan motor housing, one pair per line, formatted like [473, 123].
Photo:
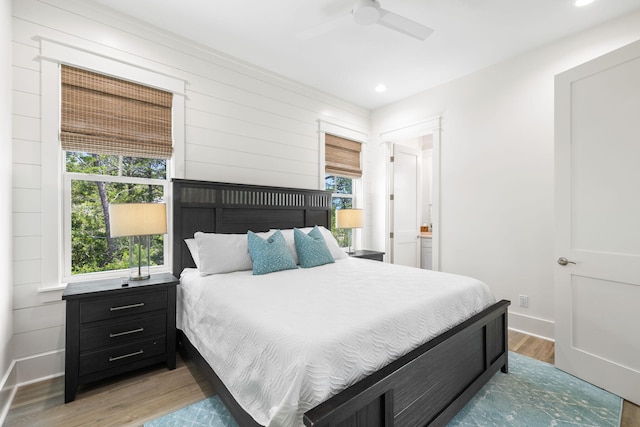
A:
[366, 12]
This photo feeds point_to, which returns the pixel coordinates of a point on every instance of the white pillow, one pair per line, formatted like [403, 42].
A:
[329, 239]
[288, 237]
[193, 250]
[332, 244]
[222, 253]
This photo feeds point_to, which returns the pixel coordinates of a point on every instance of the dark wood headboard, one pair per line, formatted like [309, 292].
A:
[235, 208]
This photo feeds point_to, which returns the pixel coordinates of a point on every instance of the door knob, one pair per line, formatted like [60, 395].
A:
[563, 261]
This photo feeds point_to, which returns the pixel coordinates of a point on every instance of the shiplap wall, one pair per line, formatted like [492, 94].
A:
[243, 124]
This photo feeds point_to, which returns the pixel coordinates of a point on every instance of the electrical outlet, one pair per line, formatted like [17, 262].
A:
[524, 301]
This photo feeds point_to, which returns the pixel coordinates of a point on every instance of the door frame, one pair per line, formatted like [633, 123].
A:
[431, 126]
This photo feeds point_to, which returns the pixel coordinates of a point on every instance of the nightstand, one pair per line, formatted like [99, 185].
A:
[112, 329]
[374, 255]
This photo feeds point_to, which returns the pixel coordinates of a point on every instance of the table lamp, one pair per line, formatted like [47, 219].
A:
[138, 221]
[349, 218]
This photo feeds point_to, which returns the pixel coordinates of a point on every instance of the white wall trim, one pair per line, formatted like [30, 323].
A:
[533, 335]
[424, 127]
[530, 325]
[343, 131]
[51, 184]
[7, 405]
[38, 367]
[179, 125]
[8, 388]
[28, 370]
[62, 53]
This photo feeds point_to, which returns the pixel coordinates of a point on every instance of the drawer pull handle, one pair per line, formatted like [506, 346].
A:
[119, 334]
[124, 356]
[124, 307]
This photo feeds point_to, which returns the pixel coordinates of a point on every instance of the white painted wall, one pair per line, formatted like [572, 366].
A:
[243, 124]
[497, 168]
[6, 267]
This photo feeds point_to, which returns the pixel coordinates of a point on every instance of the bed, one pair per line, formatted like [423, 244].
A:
[427, 385]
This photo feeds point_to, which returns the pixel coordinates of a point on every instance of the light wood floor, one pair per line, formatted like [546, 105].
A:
[133, 399]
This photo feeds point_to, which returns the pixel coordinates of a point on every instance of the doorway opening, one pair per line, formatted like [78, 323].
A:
[413, 195]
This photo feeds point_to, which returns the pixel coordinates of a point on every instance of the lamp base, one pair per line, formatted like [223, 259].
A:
[350, 249]
[139, 248]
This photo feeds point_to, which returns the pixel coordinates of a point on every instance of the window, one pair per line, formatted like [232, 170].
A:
[116, 142]
[342, 191]
[342, 168]
[92, 182]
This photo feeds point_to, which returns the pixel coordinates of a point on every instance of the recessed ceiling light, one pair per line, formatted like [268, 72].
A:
[580, 3]
[381, 88]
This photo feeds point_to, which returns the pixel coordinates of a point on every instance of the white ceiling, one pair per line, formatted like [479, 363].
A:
[349, 60]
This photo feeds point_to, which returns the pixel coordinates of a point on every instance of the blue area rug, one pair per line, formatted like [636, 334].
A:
[210, 412]
[532, 394]
[535, 393]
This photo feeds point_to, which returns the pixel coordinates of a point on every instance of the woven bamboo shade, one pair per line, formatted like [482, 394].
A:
[105, 115]
[342, 156]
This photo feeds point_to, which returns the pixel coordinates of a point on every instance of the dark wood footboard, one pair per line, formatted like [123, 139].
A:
[429, 385]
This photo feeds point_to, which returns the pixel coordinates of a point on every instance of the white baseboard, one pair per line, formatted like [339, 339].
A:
[28, 370]
[8, 388]
[540, 328]
[40, 367]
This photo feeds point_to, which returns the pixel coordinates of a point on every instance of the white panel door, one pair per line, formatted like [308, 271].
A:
[406, 204]
[597, 299]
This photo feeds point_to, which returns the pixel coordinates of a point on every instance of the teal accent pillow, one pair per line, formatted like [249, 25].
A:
[311, 248]
[269, 255]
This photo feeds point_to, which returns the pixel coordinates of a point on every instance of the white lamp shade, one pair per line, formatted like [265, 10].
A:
[349, 218]
[137, 219]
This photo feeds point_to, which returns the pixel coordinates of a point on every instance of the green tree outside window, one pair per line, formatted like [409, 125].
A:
[342, 198]
[93, 187]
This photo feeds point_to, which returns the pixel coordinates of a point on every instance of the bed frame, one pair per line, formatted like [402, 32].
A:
[427, 386]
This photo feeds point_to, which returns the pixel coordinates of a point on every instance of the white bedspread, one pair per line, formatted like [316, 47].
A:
[284, 342]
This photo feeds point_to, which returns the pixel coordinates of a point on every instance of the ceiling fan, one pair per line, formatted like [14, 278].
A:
[368, 12]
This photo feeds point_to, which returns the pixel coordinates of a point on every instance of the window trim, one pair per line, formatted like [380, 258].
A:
[52, 55]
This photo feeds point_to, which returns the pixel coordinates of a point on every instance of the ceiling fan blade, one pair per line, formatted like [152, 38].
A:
[404, 25]
[324, 27]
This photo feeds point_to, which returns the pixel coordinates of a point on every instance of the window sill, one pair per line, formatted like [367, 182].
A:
[54, 288]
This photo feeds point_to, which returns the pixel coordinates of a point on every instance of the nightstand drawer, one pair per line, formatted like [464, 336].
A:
[122, 332]
[108, 308]
[121, 355]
